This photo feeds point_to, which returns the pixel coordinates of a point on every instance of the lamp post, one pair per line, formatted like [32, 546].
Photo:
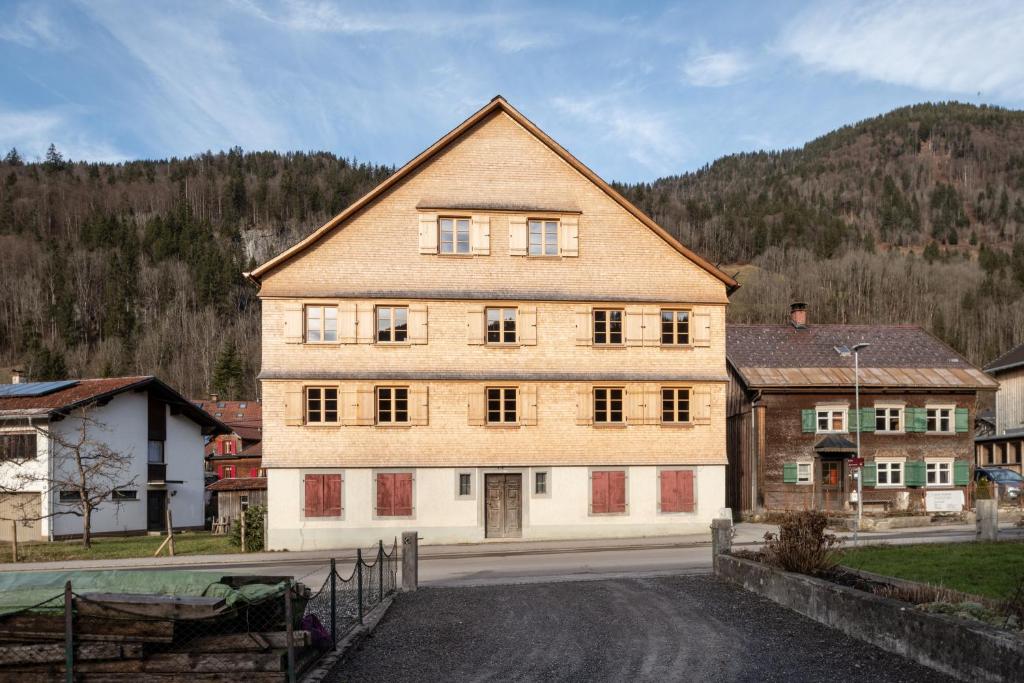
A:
[846, 351]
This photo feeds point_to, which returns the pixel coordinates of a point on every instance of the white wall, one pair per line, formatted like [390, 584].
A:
[441, 517]
[183, 453]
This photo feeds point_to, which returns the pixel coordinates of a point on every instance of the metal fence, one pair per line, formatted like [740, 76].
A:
[259, 634]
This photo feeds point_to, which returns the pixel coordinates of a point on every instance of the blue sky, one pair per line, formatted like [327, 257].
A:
[636, 90]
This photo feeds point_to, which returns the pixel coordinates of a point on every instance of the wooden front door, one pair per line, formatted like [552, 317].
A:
[832, 484]
[504, 501]
[156, 502]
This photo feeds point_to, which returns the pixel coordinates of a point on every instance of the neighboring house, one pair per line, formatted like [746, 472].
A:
[793, 424]
[236, 459]
[493, 343]
[161, 432]
[1005, 447]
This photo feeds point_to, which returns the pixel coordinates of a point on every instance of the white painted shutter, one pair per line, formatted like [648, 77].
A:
[635, 401]
[652, 326]
[349, 405]
[347, 322]
[475, 325]
[700, 332]
[366, 325]
[570, 237]
[366, 406]
[480, 235]
[584, 405]
[701, 405]
[293, 327]
[477, 405]
[419, 410]
[518, 236]
[528, 398]
[584, 327]
[428, 233]
[293, 405]
[527, 325]
[417, 323]
[634, 327]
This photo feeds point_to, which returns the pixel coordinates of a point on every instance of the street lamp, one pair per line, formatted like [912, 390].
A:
[845, 352]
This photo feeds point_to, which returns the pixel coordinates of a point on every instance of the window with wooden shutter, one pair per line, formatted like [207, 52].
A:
[393, 405]
[322, 495]
[789, 473]
[392, 325]
[677, 494]
[584, 326]
[294, 408]
[455, 235]
[570, 237]
[502, 326]
[476, 329]
[418, 324]
[347, 322]
[428, 233]
[394, 494]
[481, 235]
[366, 405]
[477, 405]
[321, 405]
[418, 405]
[528, 398]
[366, 323]
[634, 327]
[584, 405]
[293, 322]
[608, 492]
[961, 418]
[702, 406]
[517, 236]
[609, 405]
[528, 325]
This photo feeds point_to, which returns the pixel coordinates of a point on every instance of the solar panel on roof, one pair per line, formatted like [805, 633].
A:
[32, 389]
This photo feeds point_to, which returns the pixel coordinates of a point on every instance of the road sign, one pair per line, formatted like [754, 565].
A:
[856, 462]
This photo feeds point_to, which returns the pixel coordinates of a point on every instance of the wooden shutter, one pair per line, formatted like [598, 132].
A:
[294, 408]
[700, 405]
[517, 236]
[366, 325]
[652, 404]
[293, 324]
[687, 497]
[599, 492]
[480, 235]
[418, 407]
[700, 329]
[477, 405]
[569, 240]
[652, 326]
[476, 325]
[366, 408]
[961, 422]
[809, 420]
[385, 494]
[220, 471]
[347, 322]
[869, 474]
[867, 419]
[332, 495]
[403, 494]
[634, 327]
[584, 405]
[349, 405]
[616, 491]
[677, 491]
[852, 421]
[417, 323]
[961, 473]
[635, 400]
[789, 473]
[528, 409]
[527, 327]
[914, 473]
[254, 471]
[314, 502]
[584, 326]
[428, 233]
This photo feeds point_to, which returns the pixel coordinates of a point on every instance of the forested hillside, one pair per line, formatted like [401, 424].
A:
[914, 216]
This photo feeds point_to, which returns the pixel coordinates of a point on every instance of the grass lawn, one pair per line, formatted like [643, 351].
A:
[108, 548]
[989, 569]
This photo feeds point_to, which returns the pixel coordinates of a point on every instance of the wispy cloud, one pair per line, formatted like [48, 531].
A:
[32, 131]
[31, 24]
[715, 69]
[947, 46]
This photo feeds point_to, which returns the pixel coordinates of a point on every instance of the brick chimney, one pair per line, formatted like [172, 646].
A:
[798, 314]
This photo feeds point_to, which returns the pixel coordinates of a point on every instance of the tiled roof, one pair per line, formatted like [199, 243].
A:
[238, 484]
[236, 414]
[902, 356]
[1011, 359]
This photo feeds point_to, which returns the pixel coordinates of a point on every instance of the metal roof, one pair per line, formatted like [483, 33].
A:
[30, 389]
[904, 378]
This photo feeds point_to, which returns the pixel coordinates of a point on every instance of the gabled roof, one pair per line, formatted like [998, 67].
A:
[498, 104]
[898, 356]
[238, 484]
[244, 417]
[1014, 358]
[85, 392]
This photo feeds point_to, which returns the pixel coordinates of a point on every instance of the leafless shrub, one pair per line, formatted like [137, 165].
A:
[802, 545]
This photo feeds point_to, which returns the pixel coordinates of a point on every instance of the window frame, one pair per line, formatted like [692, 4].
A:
[501, 325]
[675, 406]
[546, 472]
[807, 465]
[323, 389]
[940, 465]
[830, 411]
[455, 235]
[607, 322]
[544, 241]
[121, 495]
[303, 473]
[950, 409]
[323, 308]
[890, 464]
[393, 328]
[30, 454]
[459, 495]
[393, 399]
[503, 409]
[675, 344]
[69, 496]
[621, 422]
[887, 417]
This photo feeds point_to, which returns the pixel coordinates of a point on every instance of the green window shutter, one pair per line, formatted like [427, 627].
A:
[961, 420]
[915, 419]
[867, 419]
[913, 473]
[789, 473]
[809, 419]
[870, 474]
[961, 472]
[852, 421]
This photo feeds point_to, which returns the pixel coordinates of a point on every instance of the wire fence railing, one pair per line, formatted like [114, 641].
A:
[253, 627]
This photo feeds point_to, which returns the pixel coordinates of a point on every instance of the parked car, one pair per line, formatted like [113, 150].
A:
[1008, 483]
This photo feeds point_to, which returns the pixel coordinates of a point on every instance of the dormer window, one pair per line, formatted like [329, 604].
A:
[454, 234]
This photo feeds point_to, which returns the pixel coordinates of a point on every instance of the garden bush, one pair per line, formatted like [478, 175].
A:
[802, 545]
[254, 529]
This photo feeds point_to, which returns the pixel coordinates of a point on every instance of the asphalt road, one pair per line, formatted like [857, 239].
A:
[662, 628]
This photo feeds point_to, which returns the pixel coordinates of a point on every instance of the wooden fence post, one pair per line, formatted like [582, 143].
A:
[69, 635]
[410, 560]
[242, 523]
[14, 540]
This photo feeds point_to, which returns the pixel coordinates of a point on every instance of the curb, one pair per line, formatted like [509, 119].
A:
[327, 663]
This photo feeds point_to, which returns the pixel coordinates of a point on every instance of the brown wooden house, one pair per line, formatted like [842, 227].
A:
[793, 423]
[1004, 446]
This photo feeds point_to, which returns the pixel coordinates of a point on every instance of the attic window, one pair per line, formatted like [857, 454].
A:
[220, 405]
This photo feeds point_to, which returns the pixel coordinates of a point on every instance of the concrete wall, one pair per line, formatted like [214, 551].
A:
[440, 516]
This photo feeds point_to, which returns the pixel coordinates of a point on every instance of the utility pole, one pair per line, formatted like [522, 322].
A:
[860, 470]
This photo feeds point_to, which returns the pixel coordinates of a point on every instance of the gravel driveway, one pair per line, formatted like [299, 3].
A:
[667, 628]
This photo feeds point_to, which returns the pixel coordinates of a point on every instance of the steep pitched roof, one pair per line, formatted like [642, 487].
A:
[1013, 358]
[903, 356]
[495, 105]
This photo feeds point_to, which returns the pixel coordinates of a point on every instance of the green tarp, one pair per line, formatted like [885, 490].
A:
[21, 590]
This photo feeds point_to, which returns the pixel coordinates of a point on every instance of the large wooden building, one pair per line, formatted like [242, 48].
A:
[492, 344]
[793, 422]
[1005, 447]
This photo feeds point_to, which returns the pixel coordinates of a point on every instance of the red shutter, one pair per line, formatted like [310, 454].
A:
[617, 491]
[254, 472]
[684, 485]
[599, 492]
[314, 495]
[669, 492]
[220, 471]
[403, 495]
[385, 494]
[332, 495]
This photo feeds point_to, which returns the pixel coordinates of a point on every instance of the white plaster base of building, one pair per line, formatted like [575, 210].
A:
[441, 516]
